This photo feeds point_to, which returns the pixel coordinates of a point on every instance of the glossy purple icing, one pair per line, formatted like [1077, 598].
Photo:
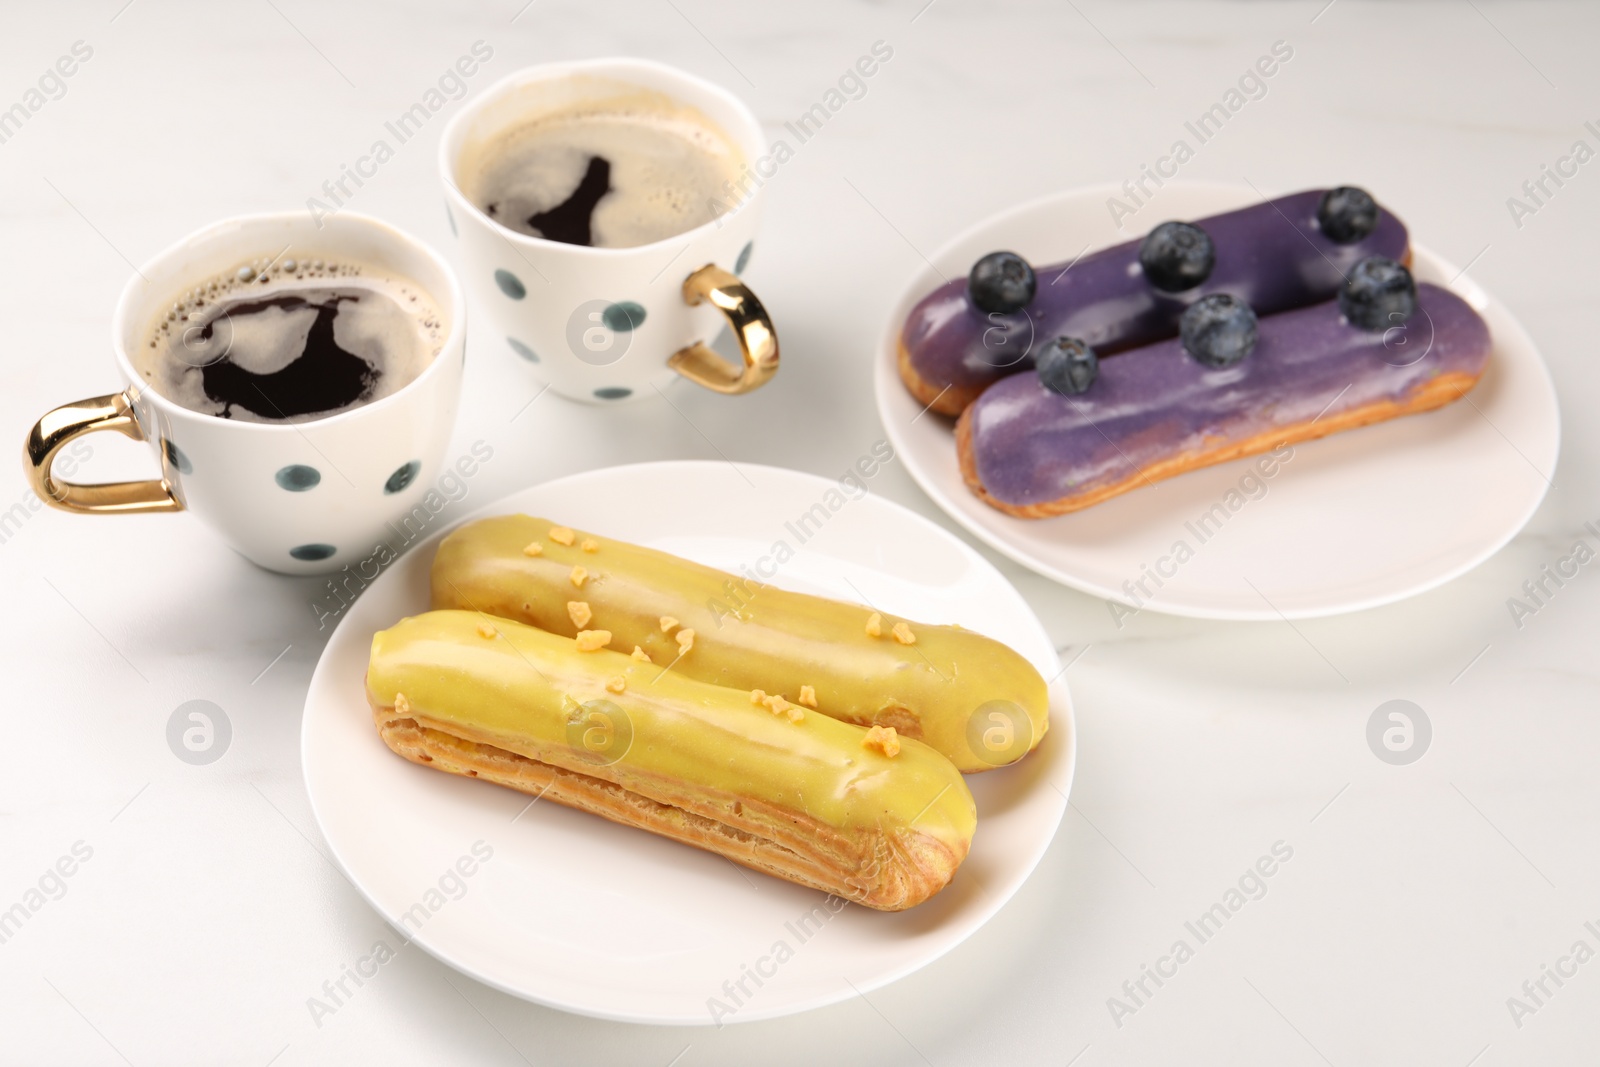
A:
[1271, 255]
[1150, 404]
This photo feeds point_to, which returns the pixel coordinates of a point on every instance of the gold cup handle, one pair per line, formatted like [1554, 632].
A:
[51, 433]
[751, 326]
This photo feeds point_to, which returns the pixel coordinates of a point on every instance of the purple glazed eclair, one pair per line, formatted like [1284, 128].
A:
[1156, 411]
[1275, 256]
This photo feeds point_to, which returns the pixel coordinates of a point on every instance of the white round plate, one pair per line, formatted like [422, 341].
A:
[1352, 521]
[580, 914]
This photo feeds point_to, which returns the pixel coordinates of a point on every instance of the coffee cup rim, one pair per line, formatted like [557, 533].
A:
[616, 66]
[132, 294]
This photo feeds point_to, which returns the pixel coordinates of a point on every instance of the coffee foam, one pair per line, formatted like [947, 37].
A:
[668, 162]
[398, 334]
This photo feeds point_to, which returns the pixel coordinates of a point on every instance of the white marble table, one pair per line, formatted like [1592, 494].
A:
[1418, 898]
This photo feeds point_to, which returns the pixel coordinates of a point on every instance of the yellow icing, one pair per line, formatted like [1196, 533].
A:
[526, 691]
[753, 636]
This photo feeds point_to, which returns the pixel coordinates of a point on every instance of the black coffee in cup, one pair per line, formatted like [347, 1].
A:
[613, 172]
[290, 340]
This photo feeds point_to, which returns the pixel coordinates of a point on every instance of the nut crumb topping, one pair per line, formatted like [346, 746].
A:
[485, 630]
[533, 548]
[579, 576]
[402, 706]
[808, 696]
[685, 641]
[591, 545]
[579, 612]
[903, 634]
[777, 705]
[562, 535]
[882, 739]
[593, 640]
[640, 654]
[668, 624]
[617, 684]
[874, 625]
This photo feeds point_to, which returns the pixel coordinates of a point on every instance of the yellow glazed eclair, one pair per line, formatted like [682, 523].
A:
[863, 814]
[970, 697]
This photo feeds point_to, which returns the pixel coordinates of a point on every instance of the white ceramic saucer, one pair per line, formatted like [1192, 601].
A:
[577, 913]
[1355, 520]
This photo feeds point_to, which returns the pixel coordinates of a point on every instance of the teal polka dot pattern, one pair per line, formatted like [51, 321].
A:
[510, 284]
[298, 478]
[403, 477]
[613, 392]
[623, 317]
[312, 553]
[522, 350]
[176, 458]
[744, 257]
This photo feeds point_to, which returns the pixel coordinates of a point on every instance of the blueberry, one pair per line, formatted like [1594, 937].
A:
[1218, 330]
[1067, 366]
[1177, 256]
[1347, 214]
[1379, 293]
[1001, 282]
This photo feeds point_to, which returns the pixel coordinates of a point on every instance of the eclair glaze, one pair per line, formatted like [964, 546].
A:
[1155, 412]
[1272, 255]
[752, 636]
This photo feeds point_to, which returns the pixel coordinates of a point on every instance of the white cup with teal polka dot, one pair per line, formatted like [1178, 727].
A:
[300, 498]
[608, 325]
